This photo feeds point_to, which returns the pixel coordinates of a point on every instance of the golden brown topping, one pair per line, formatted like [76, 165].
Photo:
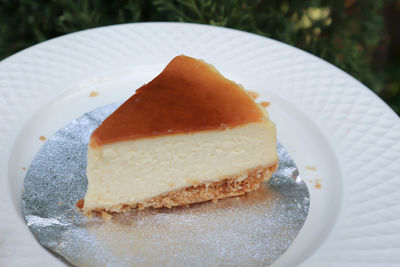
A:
[189, 95]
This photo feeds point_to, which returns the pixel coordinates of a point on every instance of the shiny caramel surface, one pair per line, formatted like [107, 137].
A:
[189, 95]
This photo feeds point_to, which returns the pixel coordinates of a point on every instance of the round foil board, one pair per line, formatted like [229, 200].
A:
[254, 229]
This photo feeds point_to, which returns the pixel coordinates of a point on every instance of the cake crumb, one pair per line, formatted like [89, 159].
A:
[60, 203]
[311, 168]
[23, 168]
[80, 204]
[72, 217]
[94, 94]
[42, 138]
[105, 215]
[193, 182]
[265, 104]
[125, 208]
[171, 184]
[318, 185]
[254, 95]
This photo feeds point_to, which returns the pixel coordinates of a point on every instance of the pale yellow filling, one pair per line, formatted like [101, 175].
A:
[133, 171]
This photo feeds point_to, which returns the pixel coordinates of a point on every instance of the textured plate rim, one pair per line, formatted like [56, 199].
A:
[354, 188]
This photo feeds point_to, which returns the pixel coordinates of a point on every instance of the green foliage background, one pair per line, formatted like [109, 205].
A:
[347, 33]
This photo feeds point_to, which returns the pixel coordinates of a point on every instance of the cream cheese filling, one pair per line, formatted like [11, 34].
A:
[132, 171]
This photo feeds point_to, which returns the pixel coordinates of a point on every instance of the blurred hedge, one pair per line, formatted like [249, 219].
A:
[348, 33]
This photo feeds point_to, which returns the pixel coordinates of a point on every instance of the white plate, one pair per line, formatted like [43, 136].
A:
[324, 118]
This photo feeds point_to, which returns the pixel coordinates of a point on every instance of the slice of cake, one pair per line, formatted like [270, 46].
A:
[190, 135]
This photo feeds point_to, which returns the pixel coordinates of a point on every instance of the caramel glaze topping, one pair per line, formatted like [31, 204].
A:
[189, 95]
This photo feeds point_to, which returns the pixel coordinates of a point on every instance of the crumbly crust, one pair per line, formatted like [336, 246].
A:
[230, 187]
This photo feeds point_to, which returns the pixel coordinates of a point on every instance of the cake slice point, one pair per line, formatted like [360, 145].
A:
[188, 136]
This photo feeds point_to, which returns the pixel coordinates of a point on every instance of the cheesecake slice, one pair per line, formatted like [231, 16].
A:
[188, 136]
